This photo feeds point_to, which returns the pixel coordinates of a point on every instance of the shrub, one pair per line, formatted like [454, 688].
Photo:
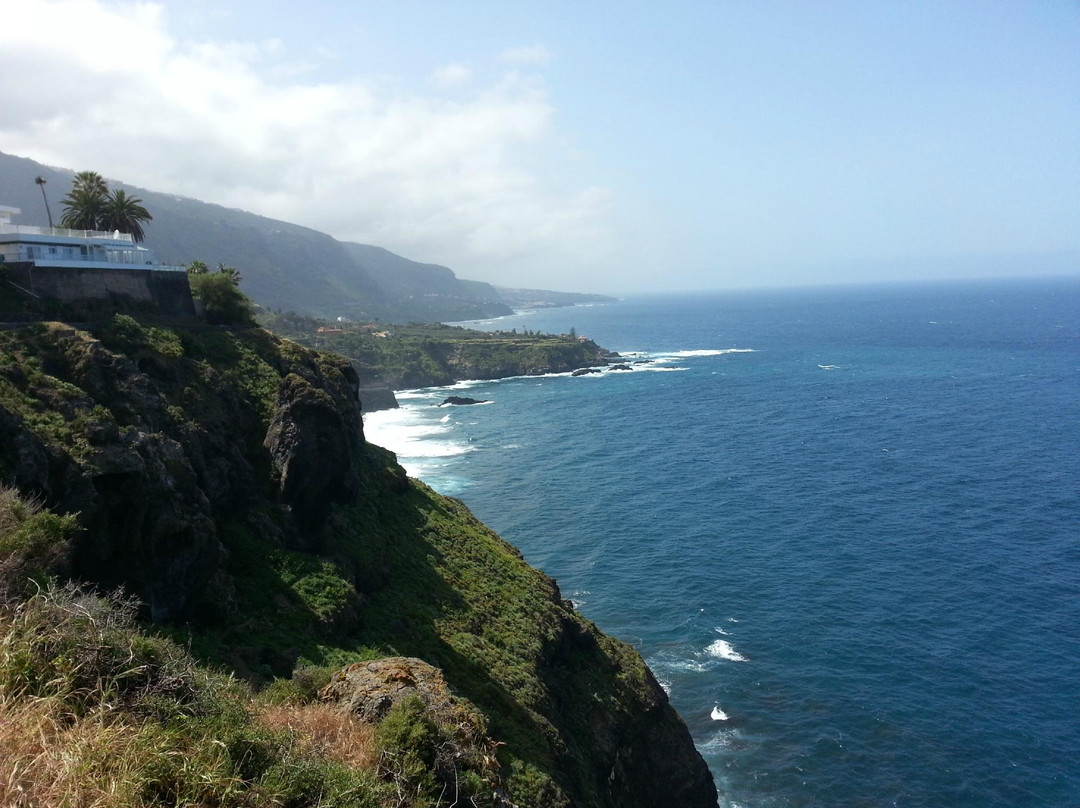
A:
[34, 544]
[225, 303]
[84, 649]
[407, 738]
[437, 755]
[302, 688]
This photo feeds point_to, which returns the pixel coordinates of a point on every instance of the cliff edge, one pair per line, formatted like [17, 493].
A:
[222, 478]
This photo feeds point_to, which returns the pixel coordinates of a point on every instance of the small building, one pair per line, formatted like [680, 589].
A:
[88, 265]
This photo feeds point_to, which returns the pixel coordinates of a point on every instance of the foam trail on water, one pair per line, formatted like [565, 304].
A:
[717, 714]
[671, 356]
[723, 650]
[712, 352]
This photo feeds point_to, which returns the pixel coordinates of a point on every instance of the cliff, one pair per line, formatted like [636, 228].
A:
[222, 477]
[435, 354]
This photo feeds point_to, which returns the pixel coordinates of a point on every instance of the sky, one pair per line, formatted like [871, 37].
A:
[587, 146]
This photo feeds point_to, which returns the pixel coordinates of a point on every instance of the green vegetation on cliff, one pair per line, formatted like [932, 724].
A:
[434, 354]
[220, 476]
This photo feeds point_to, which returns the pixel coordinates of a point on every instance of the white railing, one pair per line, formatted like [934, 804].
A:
[84, 262]
[34, 230]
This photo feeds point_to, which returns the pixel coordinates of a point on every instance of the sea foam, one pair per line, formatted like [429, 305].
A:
[712, 352]
[723, 650]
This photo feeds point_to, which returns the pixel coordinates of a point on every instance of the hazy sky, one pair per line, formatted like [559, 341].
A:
[605, 146]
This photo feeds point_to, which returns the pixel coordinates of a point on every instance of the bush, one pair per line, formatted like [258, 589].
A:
[84, 649]
[302, 688]
[437, 755]
[34, 544]
[407, 738]
[225, 303]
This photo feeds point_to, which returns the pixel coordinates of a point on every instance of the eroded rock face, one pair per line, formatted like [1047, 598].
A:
[642, 752]
[312, 449]
[653, 741]
[151, 462]
[461, 749]
[370, 689]
[148, 524]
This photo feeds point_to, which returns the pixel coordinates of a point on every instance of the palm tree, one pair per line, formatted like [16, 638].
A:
[41, 184]
[84, 209]
[84, 206]
[90, 181]
[126, 214]
[232, 273]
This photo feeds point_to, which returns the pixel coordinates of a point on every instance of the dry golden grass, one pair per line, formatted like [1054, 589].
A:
[50, 759]
[47, 759]
[326, 732]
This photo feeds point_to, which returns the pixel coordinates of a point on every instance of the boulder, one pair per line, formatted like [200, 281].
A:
[620, 367]
[370, 689]
[584, 372]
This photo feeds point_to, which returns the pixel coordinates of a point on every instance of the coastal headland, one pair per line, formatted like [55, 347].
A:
[220, 478]
[401, 357]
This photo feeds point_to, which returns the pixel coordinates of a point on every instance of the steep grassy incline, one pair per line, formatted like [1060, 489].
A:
[221, 477]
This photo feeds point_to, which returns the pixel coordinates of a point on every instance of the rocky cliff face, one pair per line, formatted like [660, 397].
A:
[222, 477]
[105, 434]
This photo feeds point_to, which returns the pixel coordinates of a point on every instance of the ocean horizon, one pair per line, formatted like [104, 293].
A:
[840, 524]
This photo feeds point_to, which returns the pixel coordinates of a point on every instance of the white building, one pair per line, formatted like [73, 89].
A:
[88, 268]
[76, 249]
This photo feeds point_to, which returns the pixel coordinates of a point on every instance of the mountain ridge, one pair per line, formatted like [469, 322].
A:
[285, 266]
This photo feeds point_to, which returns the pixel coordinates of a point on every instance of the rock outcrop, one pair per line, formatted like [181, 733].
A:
[315, 444]
[377, 397]
[370, 689]
[462, 401]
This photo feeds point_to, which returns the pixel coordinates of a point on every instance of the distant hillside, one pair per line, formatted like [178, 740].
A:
[284, 266]
[427, 292]
[543, 299]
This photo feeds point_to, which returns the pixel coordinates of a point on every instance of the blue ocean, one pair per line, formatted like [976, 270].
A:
[842, 525]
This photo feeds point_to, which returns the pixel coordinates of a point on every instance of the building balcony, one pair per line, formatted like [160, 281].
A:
[7, 228]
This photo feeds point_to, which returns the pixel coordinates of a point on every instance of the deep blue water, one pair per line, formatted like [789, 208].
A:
[858, 540]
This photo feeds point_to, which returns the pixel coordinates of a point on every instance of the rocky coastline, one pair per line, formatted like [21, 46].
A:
[222, 478]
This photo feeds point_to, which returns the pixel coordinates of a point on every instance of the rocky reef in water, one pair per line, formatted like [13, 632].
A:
[221, 476]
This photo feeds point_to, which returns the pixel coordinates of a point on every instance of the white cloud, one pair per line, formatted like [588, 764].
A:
[461, 182]
[454, 75]
[527, 55]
